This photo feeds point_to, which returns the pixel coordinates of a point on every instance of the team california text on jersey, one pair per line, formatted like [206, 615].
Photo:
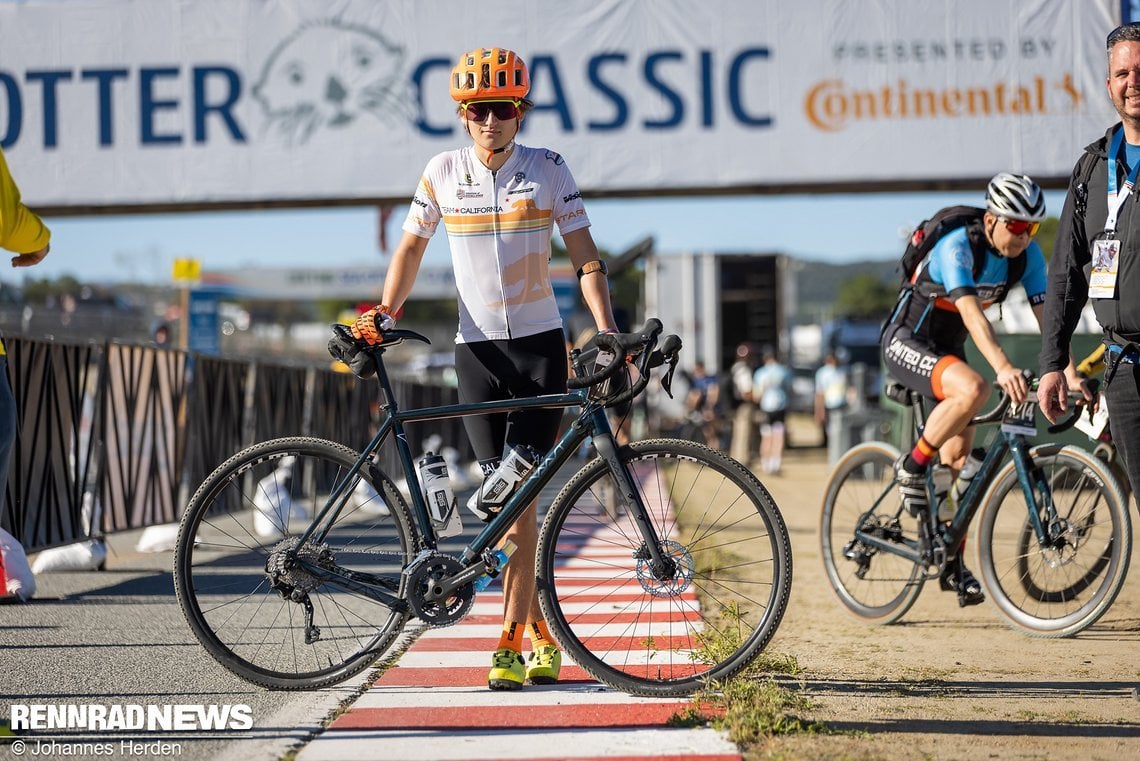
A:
[499, 226]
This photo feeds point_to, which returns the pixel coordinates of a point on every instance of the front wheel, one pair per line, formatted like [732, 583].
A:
[272, 610]
[703, 618]
[873, 578]
[1062, 586]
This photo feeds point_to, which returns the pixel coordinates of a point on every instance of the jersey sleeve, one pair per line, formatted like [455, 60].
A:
[424, 215]
[1034, 278]
[21, 230]
[569, 210]
[952, 265]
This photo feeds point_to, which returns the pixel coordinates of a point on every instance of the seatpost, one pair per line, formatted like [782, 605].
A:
[386, 398]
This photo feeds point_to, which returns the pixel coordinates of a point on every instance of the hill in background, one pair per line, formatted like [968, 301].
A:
[819, 282]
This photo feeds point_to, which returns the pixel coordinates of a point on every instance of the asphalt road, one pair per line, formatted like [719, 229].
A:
[118, 637]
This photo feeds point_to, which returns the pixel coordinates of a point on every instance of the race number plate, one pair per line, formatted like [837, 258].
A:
[1021, 419]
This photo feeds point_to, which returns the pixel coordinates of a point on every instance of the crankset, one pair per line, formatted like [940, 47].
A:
[425, 593]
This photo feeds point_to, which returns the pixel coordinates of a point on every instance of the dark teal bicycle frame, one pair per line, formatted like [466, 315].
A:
[592, 423]
[1028, 475]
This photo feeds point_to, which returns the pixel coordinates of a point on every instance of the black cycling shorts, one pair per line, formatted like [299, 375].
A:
[774, 417]
[918, 364]
[519, 367]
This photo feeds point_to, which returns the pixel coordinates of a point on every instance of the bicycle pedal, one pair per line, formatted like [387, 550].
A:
[965, 599]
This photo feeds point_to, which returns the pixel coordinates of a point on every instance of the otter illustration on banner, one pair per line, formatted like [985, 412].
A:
[328, 73]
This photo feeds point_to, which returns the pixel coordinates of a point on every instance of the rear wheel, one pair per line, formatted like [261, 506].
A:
[1064, 586]
[671, 631]
[270, 609]
[873, 584]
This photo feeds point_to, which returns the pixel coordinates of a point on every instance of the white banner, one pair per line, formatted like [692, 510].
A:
[121, 103]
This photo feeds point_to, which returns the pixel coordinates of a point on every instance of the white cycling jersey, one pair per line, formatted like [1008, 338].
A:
[499, 226]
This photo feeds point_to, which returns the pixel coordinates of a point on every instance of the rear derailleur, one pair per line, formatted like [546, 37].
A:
[293, 581]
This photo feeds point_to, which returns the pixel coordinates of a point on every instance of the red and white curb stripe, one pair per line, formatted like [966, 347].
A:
[434, 703]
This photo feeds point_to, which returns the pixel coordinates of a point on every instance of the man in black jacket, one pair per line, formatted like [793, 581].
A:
[1100, 226]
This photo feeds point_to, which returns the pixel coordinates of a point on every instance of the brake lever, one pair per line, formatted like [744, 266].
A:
[667, 378]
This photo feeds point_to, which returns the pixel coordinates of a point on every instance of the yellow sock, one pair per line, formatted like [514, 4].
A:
[539, 634]
[511, 637]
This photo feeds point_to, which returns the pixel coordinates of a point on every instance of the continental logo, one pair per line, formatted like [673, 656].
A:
[832, 105]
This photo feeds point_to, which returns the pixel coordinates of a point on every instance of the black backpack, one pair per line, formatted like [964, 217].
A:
[945, 221]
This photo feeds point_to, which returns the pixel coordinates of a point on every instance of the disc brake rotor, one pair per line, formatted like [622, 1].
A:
[674, 584]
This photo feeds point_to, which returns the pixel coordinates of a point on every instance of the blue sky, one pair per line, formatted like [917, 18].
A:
[831, 228]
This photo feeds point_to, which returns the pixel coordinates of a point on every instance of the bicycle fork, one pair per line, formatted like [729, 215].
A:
[1048, 527]
[661, 566]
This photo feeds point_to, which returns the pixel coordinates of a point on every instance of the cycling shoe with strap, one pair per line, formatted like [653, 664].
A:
[507, 670]
[956, 577]
[912, 488]
[544, 664]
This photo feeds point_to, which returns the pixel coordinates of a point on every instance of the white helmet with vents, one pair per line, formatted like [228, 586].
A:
[1015, 196]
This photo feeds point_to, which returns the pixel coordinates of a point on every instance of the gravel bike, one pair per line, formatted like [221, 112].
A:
[687, 579]
[1053, 538]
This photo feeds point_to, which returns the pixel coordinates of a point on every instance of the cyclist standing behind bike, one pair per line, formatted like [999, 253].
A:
[924, 344]
[498, 201]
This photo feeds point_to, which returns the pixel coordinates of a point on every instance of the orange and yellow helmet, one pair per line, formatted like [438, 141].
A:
[489, 73]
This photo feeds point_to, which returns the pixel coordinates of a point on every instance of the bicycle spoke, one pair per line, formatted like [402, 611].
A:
[290, 623]
[875, 584]
[1063, 581]
[717, 602]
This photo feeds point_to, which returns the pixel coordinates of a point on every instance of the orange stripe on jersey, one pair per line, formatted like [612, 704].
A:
[523, 217]
[425, 186]
[936, 375]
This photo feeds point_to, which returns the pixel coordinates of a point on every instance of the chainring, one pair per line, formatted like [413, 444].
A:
[423, 575]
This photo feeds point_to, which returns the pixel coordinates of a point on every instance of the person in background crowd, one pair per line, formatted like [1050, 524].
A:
[510, 341]
[830, 391]
[1099, 226]
[771, 385]
[703, 402]
[161, 335]
[744, 416]
[24, 234]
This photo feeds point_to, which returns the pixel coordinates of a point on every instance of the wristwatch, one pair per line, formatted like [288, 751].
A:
[596, 265]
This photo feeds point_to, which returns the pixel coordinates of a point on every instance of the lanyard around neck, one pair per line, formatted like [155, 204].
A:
[1116, 199]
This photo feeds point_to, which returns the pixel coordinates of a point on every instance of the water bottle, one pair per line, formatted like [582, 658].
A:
[942, 476]
[445, 519]
[966, 476]
[497, 488]
[502, 555]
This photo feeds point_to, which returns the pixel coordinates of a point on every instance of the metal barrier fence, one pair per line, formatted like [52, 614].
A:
[115, 436]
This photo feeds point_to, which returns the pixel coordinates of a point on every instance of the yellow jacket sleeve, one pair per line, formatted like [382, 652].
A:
[21, 230]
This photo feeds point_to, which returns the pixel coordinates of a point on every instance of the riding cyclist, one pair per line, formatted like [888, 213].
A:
[498, 201]
[924, 344]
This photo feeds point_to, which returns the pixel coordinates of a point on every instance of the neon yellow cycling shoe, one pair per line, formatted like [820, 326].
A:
[543, 665]
[507, 670]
